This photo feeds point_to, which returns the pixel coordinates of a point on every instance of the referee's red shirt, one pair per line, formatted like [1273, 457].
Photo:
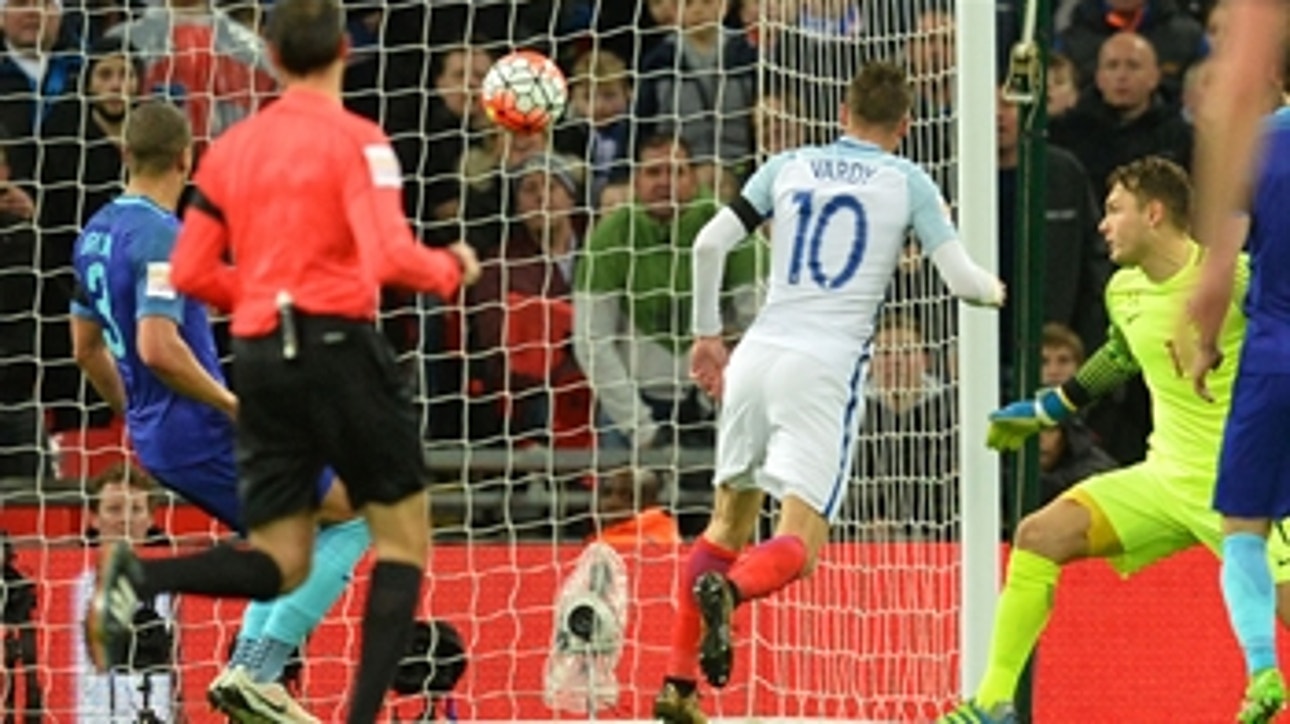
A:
[308, 197]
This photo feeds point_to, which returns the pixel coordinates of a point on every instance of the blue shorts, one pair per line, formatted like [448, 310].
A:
[212, 486]
[1254, 467]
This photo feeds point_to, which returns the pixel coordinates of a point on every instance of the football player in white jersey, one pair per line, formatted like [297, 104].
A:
[791, 393]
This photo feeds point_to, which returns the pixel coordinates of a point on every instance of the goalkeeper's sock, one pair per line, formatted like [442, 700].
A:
[1251, 598]
[704, 557]
[336, 550]
[768, 567]
[387, 623]
[222, 572]
[248, 637]
[1024, 608]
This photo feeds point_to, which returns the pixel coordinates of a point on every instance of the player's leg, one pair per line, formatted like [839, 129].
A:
[277, 473]
[1119, 515]
[1248, 493]
[369, 428]
[741, 435]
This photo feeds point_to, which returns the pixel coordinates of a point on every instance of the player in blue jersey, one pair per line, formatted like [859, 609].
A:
[841, 214]
[149, 351]
[1234, 178]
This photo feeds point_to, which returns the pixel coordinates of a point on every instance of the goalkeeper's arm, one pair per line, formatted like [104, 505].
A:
[1107, 369]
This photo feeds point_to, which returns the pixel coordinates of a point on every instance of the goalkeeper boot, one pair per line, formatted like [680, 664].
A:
[716, 603]
[235, 694]
[969, 712]
[673, 707]
[1264, 698]
[109, 622]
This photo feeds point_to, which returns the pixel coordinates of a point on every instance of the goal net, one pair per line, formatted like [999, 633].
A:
[544, 430]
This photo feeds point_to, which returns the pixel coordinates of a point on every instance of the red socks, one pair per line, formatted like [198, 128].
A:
[768, 567]
[704, 557]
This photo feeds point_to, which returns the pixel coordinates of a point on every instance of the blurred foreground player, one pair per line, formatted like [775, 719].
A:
[306, 198]
[1242, 169]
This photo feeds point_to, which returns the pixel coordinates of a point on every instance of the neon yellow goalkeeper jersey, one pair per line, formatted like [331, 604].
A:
[1149, 319]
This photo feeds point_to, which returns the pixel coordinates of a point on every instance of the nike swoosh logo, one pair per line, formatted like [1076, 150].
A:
[260, 702]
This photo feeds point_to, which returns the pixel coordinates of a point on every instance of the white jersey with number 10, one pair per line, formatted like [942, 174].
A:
[841, 214]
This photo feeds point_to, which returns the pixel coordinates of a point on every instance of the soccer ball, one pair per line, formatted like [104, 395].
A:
[524, 92]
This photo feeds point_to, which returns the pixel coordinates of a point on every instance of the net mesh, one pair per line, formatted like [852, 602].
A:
[546, 419]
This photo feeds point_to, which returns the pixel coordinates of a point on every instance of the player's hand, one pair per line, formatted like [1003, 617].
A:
[1012, 424]
[469, 261]
[1207, 309]
[708, 357]
[997, 298]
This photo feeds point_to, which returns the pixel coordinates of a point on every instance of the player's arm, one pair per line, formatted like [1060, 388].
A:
[1111, 366]
[1227, 142]
[90, 350]
[160, 313]
[730, 225]
[165, 352]
[374, 208]
[929, 216]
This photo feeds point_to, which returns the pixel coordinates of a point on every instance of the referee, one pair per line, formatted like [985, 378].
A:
[306, 199]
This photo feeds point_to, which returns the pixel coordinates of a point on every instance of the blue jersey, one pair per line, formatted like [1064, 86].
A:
[123, 270]
[1267, 340]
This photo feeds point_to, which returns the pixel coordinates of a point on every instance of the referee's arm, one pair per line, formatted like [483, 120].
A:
[197, 266]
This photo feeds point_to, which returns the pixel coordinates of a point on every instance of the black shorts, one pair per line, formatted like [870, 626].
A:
[341, 402]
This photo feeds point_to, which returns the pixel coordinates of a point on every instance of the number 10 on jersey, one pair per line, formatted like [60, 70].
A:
[815, 229]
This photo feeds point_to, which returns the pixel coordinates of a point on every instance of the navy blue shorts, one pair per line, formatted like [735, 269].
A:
[1254, 467]
[212, 486]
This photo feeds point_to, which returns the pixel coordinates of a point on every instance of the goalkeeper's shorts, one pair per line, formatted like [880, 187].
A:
[1254, 467]
[1156, 510]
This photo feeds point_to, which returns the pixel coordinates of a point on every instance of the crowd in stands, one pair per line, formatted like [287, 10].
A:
[576, 336]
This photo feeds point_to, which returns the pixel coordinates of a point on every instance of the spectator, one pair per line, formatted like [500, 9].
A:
[40, 65]
[1126, 118]
[1068, 453]
[24, 311]
[522, 315]
[930, 54]
[699, 86]
[1177, 38]
[198, 56]
[778, 124]
[1076, 266]
[908, 469]
[600, 128]
[628, 513]
[632, 302]
[122, 507]
[1063, 85]
[1061, 353]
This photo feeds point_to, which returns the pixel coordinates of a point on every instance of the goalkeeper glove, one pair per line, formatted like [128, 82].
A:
[1011, 425]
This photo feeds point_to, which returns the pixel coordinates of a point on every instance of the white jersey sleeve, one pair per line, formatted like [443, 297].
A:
[759, 189]
[929, 214]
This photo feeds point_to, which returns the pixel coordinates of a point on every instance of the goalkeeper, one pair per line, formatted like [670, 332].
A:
[1138, 515]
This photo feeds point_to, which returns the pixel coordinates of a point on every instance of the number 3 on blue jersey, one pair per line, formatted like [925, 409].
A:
[96, 284]
[814, 226]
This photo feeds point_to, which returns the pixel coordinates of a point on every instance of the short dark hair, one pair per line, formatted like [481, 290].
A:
[661, 140]
[1056, 335]
[307, 34]
[1154, 178]
[126, 473]
[156, 136]
[880, 94]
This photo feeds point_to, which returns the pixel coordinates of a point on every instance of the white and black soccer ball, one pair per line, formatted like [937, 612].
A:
[525, 92]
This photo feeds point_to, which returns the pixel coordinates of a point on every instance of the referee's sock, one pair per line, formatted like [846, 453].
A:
[391, 603]
[683, 661]
[224, 571]
[1251, 598]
